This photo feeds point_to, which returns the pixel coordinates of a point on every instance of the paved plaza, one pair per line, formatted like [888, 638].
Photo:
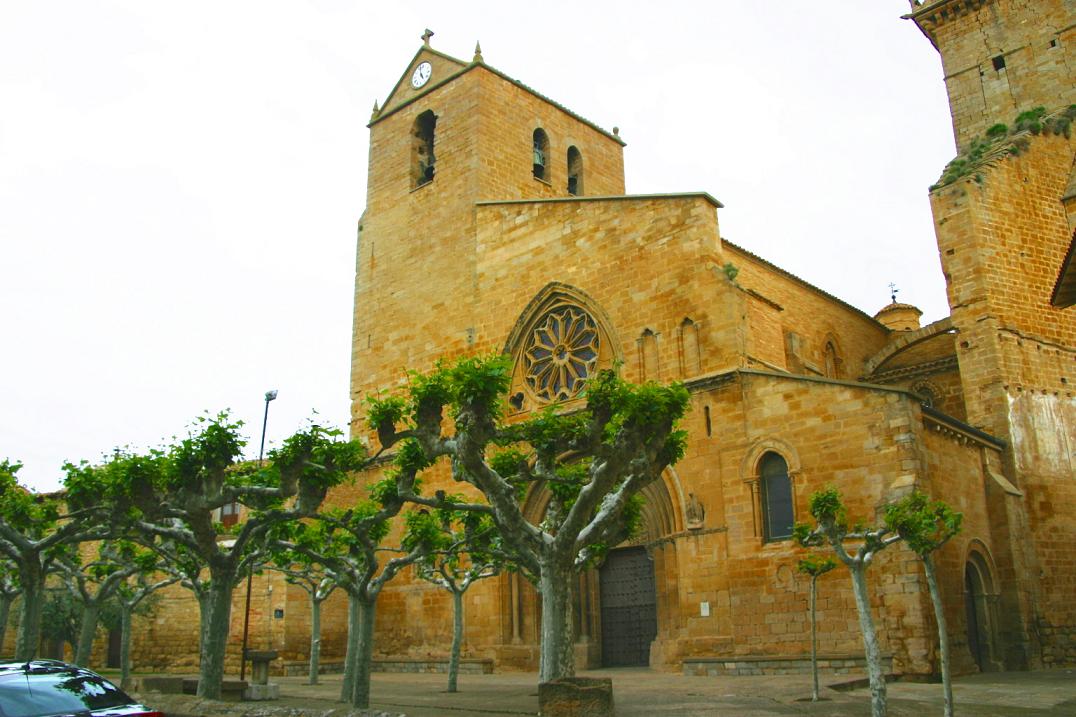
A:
[640, 692]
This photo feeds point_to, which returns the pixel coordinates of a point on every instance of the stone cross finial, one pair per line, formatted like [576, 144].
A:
[893, 291]
[426, 37]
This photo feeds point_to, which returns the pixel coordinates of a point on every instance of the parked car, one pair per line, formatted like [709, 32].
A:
[49, 688]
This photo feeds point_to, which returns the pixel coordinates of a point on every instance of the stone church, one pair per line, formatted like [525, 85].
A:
[482, 195]
[483, 190]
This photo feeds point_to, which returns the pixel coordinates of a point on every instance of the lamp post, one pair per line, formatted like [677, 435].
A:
[269, 396]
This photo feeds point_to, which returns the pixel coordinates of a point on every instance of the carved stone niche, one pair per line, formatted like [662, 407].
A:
[694, 513]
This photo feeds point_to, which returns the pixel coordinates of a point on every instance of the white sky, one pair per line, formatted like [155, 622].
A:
[180, 181]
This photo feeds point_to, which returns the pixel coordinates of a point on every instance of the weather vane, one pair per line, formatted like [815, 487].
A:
[893, 291]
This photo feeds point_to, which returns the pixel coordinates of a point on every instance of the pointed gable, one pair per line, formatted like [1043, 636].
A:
[442, 67]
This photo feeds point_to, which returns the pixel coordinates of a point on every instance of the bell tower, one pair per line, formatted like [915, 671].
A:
[1000, 57]
[451, 134]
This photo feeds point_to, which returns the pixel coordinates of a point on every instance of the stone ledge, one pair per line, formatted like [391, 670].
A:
[775, 665]
[471, 666]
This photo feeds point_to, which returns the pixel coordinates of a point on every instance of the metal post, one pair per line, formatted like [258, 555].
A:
[269, 396]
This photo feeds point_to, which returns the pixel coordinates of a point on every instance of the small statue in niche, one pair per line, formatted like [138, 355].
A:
[695, 512]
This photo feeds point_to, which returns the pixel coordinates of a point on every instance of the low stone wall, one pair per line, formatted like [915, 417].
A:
[769, 665]
[467, 667]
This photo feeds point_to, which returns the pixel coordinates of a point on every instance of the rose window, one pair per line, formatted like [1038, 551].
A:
[562, 353]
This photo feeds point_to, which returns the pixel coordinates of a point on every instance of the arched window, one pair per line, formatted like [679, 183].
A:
[422, 159]
[776, 490]
[541, 155]
[575, 172]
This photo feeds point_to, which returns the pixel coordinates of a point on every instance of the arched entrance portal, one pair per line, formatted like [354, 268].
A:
[628, 608]
[978, 610]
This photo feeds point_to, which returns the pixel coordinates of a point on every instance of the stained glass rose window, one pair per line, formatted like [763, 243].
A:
[561, 354]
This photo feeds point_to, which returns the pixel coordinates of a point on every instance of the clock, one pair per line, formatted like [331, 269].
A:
[421, 75]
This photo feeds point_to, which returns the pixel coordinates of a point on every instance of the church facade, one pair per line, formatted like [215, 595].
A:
[483, 197]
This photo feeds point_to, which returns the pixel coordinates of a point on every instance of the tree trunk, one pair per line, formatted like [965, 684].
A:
[363, 644]
[315, 638]
[32, 578]
[871, 650]
[215, 637]
[943, 632]
[351, 654]
[126, 612]
[5, 611]
[87, 631]
[557, 650]
[457, 640]
[204, 610]
[814, 637]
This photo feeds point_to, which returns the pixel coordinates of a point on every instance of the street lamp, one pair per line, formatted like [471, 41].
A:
[269, 396]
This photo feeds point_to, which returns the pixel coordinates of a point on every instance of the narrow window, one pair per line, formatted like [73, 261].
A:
[648, 355]
[575, 172]
[777, 516]
[422, 159]
[541, 155]
[999, 62]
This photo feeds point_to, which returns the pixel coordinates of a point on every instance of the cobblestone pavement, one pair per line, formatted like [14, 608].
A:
[642, 693]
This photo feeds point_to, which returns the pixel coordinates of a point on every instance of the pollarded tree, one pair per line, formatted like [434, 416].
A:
[466, 549]
[856, 548]
[593, 460]
[318, 585]
[926, 525]
[34, 531]
[9, 590]
[815, 567]
[173, 497]
[92, 584]
[348, 546]
[132, 597]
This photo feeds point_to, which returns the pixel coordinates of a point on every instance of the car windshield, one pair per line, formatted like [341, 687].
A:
[56, 693]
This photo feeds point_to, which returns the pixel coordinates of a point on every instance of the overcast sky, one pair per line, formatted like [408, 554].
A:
[180, 181]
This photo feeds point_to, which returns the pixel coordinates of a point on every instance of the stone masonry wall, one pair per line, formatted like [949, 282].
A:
[1035, 41]
[1002, 242]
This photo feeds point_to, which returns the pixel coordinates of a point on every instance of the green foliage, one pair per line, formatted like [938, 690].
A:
[1002, 140]
[805, 536]
[826, 506]
[215, 445]
[731, 271]
[924, 524]
[411, 459]
[382, 414]
[815, 565]
[28, 513]
[423, 529]
[61, 616]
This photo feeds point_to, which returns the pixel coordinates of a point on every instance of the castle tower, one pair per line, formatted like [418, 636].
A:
[1000, 57]
[1003, 236]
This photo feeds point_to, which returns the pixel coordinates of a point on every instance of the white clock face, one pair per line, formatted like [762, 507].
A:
[421, 75]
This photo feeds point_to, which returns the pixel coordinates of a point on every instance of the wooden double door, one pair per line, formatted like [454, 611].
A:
[628, 608]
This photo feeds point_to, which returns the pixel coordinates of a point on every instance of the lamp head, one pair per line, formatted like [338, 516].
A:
[270, 396]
